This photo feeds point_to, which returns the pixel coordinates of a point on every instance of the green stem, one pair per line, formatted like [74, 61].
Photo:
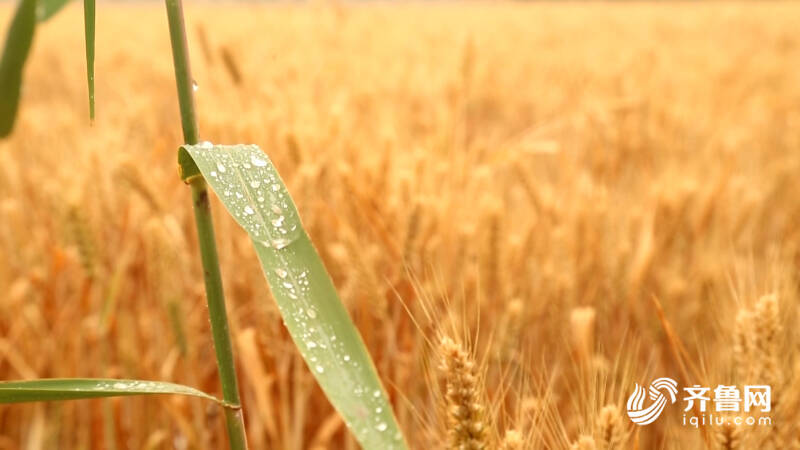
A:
[205, 233]
[89, 26]
[216, 311]
[183, 75]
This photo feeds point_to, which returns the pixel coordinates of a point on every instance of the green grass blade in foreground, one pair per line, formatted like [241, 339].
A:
[15, 53]
[48, 8]
[251, 190]
[88, 27]
[55, 389]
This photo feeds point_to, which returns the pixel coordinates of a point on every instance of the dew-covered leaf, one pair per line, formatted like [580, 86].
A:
[249, 186]
[56, 389]
[15, 53]
[48, 8]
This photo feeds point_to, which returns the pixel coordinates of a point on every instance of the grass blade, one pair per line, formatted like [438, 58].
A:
[55, 389]
[251, 190]
[48, 8]
[15, 53]
[88, 26]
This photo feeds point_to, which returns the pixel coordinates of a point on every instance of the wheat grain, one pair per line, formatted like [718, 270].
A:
[512, 441]
[466, 410]
[582, 326]
[610, 431]
[584, 443]
[727, 436]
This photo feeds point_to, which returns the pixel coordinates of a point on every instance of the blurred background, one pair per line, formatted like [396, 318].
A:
[529, 179]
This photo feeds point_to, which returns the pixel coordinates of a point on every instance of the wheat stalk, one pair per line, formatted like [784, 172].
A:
[465, 405]
[582, 324]
[584, 443]
[512, 441]
[610, 431]
[727, 436]
[766, 332]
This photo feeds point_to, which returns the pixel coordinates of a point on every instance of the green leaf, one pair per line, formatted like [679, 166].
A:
[48, 8]
[88, 27]
[15, 53]
[249, 186]
[55, 389]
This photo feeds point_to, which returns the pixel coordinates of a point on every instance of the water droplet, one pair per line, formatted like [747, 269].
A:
[258, 162]
[277, 222]
[276, 210]
[280, 243]
[288, 285]
[381, 426]
[311, 344]
[376, 393]
[248, 210]
[195, 86]
[220, 167]
[255, 184]
[206, 145]
[311, 313]
[281, 273]
[346, 357]
[120, 386]
[214, 173]
[320, 369]
[276, 187]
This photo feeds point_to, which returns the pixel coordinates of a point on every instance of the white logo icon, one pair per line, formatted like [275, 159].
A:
[658, 388]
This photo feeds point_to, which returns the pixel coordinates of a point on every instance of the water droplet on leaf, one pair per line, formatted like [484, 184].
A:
[280, 243]
[258, 162]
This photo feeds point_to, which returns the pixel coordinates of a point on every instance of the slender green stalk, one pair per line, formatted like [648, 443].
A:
[216, 310]
[89, 25]
[183, 75]
[205, 233]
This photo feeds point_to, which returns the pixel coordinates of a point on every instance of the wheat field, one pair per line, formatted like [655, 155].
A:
[527, 209]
